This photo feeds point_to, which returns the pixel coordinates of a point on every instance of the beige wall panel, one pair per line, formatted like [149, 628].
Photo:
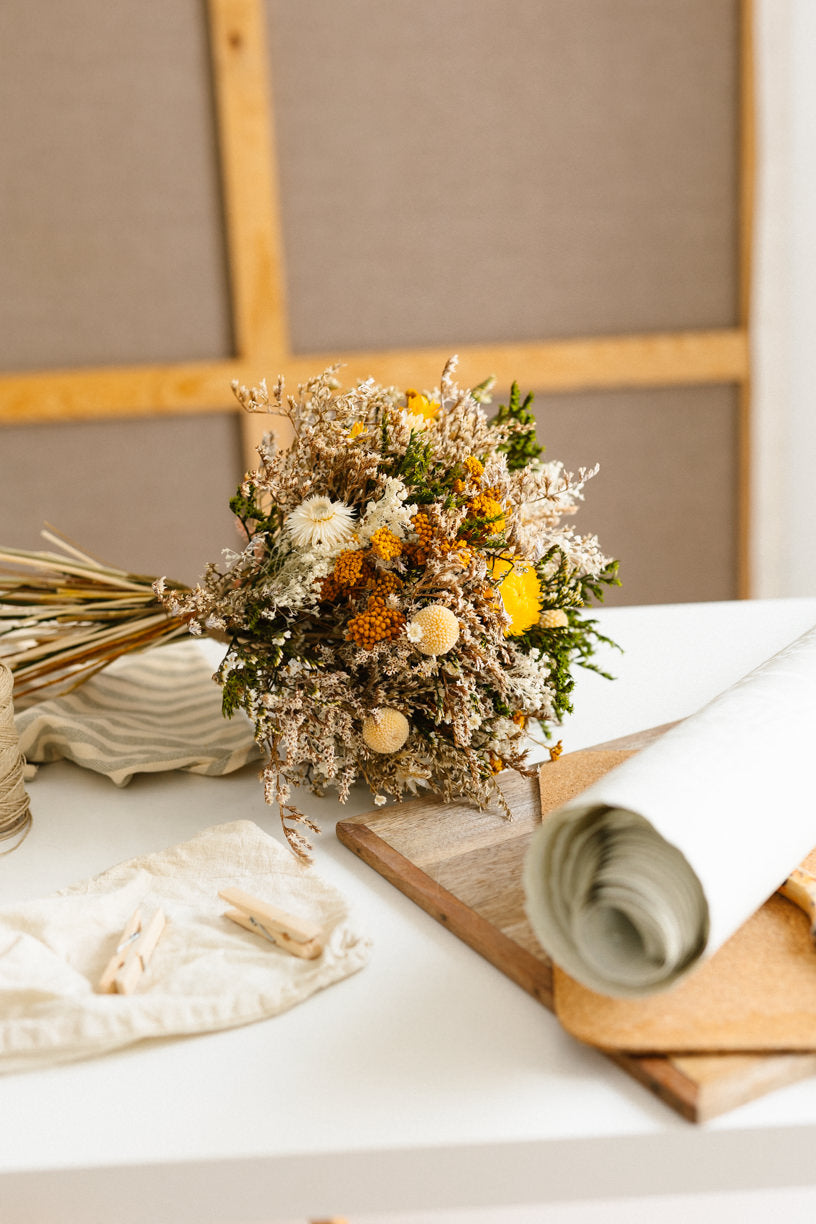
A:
[664, 502]
[111, 234]
[489, 170]
[148, 495]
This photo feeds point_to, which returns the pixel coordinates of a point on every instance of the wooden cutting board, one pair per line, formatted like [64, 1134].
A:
[463, 866]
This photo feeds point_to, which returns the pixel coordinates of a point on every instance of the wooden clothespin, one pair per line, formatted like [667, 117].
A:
[133, 952]
[295, 935]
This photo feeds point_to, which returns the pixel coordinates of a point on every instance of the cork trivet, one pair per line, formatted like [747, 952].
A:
[15, 810]
[561, 780]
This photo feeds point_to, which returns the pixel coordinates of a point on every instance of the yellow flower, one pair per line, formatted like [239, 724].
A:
[419, 405]
[357, 428]
[484, 506]
[385, 545]
[520, 592]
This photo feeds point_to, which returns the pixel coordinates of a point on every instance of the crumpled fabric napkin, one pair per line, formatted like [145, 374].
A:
[206, 973]
[143, 714]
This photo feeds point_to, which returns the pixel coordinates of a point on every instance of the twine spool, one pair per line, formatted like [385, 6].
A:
[15, 810]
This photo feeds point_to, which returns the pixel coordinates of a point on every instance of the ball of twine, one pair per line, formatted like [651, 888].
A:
[15, 810]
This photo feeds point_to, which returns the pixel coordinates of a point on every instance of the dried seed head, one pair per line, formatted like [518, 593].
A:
[434, 630]
[386, 730]
[553, 618]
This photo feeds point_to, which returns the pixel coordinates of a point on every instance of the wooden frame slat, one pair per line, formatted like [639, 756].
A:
[659, 359]
[747, 180]
[246, 136]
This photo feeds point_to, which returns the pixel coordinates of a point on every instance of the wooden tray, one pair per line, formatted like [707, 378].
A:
[463, 866]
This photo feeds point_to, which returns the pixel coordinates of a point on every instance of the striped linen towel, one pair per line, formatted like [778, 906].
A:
[143, 714]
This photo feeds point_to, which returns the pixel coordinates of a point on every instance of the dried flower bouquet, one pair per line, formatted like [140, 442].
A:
[408, 602]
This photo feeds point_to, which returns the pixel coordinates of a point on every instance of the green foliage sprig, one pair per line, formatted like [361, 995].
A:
[523, 446]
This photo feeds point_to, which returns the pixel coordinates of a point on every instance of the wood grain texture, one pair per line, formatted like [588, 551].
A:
[747, 191]
[99, 393]
[655, 359]
[463, 867]
[248, 172]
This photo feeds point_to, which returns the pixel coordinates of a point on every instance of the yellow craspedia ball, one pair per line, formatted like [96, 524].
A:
[386, 730]
[520, 592]
[434, 630]
[553, 618]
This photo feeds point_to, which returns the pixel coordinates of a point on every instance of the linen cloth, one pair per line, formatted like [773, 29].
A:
[206, 973]
[651, 869]
[142, 714]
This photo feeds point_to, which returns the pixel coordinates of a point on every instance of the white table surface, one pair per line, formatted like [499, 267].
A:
[428, 1079]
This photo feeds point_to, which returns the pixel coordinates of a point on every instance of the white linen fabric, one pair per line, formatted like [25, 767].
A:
[654, 866]
[143, 714]
[206, 973]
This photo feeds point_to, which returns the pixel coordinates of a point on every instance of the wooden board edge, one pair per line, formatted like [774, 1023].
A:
[532, 973]
[659, 1075]
[670, 1079]
[663, 1079]
[767, 1072]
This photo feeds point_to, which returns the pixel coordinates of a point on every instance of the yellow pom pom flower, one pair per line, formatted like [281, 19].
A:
[434, 630]
[386, 730]
[520, 592]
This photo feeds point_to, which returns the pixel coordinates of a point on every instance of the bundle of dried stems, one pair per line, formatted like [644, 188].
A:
[65, 615]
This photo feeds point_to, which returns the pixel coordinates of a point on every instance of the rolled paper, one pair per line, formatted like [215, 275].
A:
[632, 883]
[15, 810]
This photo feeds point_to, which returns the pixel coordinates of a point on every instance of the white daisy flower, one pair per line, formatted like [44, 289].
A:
[319, 521]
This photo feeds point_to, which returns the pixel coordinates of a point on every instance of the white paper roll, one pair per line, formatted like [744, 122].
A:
[652, 868]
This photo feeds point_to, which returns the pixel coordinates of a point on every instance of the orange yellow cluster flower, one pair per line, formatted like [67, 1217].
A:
[486, 506]
[387, 584]
[349, 568]
[378, 623]
[350, 571]
[385, 545]
[461, 550]
[425, 537]
[474, 469]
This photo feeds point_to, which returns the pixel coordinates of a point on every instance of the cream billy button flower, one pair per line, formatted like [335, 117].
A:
[321, 521]
[434, 630]
[553, 618]
[386, 730]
